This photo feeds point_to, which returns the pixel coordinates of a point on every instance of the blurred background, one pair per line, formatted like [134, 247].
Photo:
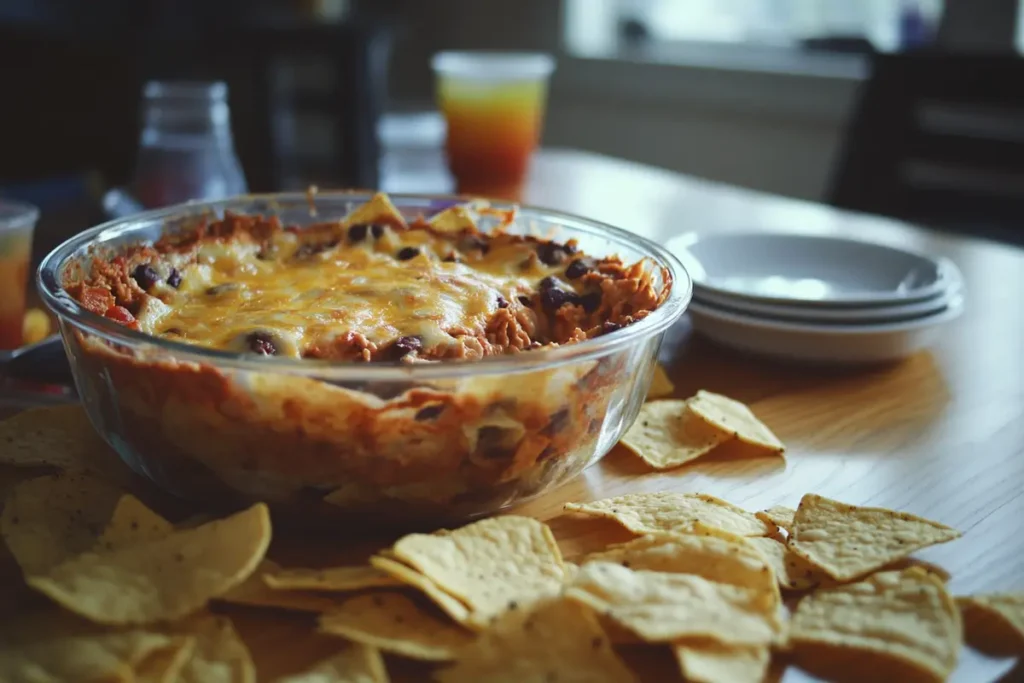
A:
[807, 98]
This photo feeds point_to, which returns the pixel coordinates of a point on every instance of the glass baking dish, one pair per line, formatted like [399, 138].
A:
[371, 443]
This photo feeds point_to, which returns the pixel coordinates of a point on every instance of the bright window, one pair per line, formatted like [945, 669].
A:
[886, 24]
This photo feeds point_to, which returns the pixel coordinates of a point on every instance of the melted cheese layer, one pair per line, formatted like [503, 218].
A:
[315, 301]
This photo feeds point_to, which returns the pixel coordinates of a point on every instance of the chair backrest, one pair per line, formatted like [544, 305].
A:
[938, 139]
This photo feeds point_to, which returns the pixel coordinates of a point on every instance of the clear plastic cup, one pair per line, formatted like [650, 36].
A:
[494, 105]
[17, 223]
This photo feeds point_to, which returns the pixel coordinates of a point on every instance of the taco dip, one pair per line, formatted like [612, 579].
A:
[397, 358]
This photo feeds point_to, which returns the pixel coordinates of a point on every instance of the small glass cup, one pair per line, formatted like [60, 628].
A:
[494, 105]
[17, 223]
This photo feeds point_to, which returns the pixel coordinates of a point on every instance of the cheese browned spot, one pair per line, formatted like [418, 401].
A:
[248, 285]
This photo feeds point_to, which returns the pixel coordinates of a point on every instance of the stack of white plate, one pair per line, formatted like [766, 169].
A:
[817, 299]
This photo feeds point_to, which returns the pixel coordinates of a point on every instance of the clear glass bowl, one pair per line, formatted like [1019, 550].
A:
[370, 444]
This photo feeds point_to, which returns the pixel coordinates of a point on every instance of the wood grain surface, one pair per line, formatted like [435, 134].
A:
[940, 434]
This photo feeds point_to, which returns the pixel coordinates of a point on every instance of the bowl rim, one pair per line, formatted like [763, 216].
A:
[48, 280]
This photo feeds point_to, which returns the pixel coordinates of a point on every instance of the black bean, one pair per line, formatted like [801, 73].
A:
[357, 233]
[403, 346]
[429, 412]
[553, 297]
[552, 253]
[174, 279]
[407, 253]
[609, 327]
[494, 443]
[549, 253]
[502, 302]
[261, 343]
[490, 434]
[377, 231]
[525, 300]
[578, 269]
[145, 276]
[590, 301]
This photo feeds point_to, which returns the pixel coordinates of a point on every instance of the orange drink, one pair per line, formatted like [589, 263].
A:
[17, 221]
[494, 106]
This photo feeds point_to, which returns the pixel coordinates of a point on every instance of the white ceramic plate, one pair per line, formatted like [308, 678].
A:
[805, 270]
[820, 343]
[850, 315]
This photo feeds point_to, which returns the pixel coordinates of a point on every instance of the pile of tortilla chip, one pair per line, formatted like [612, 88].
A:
[859, 608]
[669, 433]
[124, 594]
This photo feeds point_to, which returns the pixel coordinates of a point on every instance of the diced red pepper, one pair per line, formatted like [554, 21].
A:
[96, 299]
[120, 314]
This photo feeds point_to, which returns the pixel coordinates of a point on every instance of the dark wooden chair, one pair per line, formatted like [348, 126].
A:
[938, 139]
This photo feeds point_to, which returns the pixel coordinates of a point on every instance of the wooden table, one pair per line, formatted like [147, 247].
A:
[940, 435]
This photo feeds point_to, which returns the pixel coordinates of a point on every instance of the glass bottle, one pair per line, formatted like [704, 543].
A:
[185, 148]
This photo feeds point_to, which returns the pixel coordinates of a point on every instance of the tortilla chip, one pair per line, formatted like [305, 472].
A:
[706, 661]
[492, 565]
[56, 436]
[163, 579]
[736, 418]
[715, 559]
[408, 576]
[132, 523]
[354, 664]
[847, 541]
[558, 640]
[393, 623]
[779, 515]
[663, 608]
[165, 666]
[378, 209]
[893, 619]
[994, 623]
[935, 570]
[661, 385]
[81, 655]
[791, 571]
[667, 511]
[667, 435]
[453, 219]
[50, 519]
[353, 578]
[254, 592]
[219, 655]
